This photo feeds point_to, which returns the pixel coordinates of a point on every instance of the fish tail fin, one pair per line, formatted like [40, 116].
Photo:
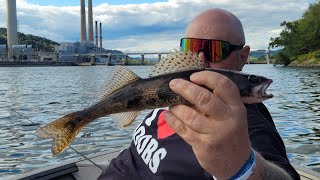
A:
[62, 131]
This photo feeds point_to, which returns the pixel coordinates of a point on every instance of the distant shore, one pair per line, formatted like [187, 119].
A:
[32, 64]
[43, 64]
[310, 60]
[312, 63]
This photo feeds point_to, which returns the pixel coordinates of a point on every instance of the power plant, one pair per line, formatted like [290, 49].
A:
[67, 51]
[88, 51]
[78, 51]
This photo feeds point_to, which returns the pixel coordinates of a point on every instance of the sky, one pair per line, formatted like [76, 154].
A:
[150, 25]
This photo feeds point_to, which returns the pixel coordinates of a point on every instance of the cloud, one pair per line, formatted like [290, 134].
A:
[160, 42]
[153, 26]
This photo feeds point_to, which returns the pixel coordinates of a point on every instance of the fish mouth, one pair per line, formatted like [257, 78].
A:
[260, 90]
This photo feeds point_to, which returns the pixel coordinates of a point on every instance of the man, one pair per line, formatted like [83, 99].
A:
[221, 137]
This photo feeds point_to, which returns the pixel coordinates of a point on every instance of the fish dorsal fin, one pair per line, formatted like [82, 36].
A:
[124, 119]
[120, 77]
[176, 62]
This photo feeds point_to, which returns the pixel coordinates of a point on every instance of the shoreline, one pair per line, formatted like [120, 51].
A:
[35, 64]
[49, 64]
[305, 64]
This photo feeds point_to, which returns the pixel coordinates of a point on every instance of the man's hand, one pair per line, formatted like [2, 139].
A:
[216, 127]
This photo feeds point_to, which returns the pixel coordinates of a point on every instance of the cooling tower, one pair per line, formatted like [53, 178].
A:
[96, 26]
[100, 35]
[83, 37]
[90, 22]
[12, 35]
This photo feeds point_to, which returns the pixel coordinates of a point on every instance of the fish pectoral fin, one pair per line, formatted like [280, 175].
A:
[62, 131]
[124, 119]
[120, 77]
[176, 62]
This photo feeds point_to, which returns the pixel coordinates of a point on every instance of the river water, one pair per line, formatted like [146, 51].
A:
[33, 96]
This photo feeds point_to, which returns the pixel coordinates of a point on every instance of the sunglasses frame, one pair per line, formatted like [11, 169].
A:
[208, 53]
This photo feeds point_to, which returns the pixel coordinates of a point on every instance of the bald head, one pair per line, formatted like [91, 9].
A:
[216, 24]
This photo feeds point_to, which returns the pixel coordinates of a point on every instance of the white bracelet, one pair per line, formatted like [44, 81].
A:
[246, 170]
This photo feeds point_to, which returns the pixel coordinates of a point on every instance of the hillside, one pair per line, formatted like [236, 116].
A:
[37, 42]
[260, 54]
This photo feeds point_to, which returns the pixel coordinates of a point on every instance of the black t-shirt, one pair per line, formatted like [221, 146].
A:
[158, 153]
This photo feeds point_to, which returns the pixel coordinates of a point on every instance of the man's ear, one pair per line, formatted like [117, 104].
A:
[244, 54]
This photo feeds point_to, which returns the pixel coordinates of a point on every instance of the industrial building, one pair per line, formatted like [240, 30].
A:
[23, 53]
[3, 52]
[80, 52]
[83, 51]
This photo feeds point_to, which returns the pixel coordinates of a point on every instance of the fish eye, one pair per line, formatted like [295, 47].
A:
[254, 79]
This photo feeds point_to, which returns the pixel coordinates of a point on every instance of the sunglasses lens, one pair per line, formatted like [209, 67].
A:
[192, 45]
[196, 46]
[222, 49]
[214, 50]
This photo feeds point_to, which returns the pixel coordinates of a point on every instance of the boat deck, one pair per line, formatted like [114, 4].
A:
[82, 169]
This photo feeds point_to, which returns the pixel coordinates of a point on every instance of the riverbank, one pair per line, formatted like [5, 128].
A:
[312, 63]
[32, 64]
[41, 64]
[313, 60]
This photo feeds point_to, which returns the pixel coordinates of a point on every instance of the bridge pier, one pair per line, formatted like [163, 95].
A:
[268, 56]
[142, 59]
[109, 59]
[126, 60]
[76, 58]
[93, 60]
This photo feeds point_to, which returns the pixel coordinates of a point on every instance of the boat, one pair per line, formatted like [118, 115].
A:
[83, 169]
[80, 169]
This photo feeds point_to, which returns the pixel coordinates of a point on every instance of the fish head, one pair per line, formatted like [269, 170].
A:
[253, 88]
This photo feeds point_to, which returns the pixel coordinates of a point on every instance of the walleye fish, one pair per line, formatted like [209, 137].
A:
[127, 94]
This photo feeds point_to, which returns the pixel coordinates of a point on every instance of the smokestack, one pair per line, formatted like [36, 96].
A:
[96, 26]
[83, 21]
[12, 33]
[90, 21]
[100, 36]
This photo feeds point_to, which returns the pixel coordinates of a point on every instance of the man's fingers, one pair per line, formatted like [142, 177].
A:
[204, 100]
[191, 118]
[179, 127]
[222, 86]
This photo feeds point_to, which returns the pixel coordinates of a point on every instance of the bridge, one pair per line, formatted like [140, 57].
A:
[89, 59]
[109, 56]
[263, 52]
[126, 56]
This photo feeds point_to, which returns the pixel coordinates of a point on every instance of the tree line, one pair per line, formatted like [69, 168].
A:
[299, 37]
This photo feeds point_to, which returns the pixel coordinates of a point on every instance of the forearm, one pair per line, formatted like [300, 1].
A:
[266, 170]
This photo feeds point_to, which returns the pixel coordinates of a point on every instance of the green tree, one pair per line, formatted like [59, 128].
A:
[310, 27]
[301, 36]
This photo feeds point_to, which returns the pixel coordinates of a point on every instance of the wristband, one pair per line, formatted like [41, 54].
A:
[247, 169]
